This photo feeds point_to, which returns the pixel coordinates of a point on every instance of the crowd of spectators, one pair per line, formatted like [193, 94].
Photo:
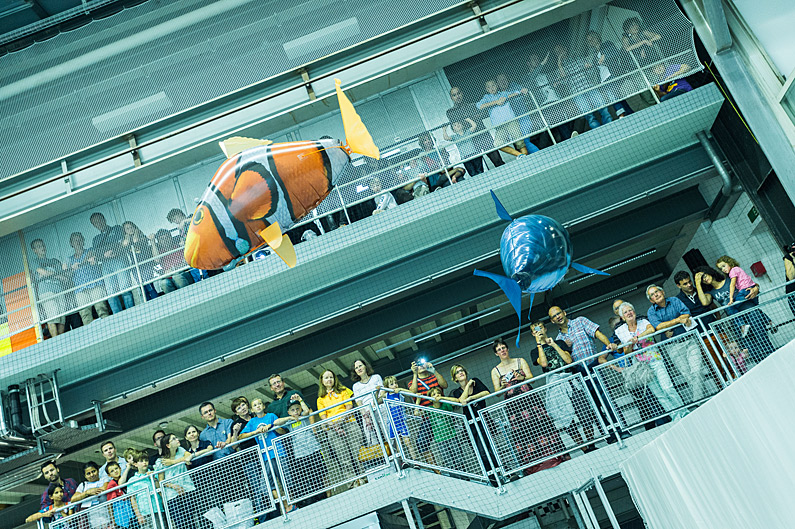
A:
[664, 380]
[103, 279]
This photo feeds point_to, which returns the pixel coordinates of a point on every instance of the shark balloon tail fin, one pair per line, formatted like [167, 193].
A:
[511, 289]
[588, 270]
[501, 211]
[529, 310]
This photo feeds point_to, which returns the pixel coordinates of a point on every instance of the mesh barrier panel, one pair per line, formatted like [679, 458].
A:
[748, 337]
[136, 507]
[336, 452]
[659, 379]
[234, 489]
[525, 430]
[438, 439]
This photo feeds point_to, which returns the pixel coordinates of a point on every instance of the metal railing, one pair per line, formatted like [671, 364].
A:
[536, 424]
[438, 439]
[745, 338]
[330, 453]
[525, 430]
[655, 380]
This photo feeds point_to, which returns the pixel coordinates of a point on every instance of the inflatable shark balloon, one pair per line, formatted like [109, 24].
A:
[536, 253]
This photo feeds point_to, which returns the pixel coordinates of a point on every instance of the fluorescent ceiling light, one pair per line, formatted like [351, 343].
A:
[322, 38]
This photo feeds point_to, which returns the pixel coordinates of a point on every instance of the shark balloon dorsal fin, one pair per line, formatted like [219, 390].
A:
[237, 144]
[588, 270]
[501, 211]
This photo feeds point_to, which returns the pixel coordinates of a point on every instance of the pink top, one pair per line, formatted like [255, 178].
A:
[744, 281]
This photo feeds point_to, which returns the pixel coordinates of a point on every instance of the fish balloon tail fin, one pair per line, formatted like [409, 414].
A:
[511, 289]
[356, 134]
[501, 211]
[588, 270]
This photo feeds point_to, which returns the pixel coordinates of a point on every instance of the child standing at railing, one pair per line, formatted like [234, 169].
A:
[741, 283]
[307, 469]
[739, 288]
[398, 429]
[56, 494]
[444, 432]
[142, 502]
[737, 357]
[123, 513]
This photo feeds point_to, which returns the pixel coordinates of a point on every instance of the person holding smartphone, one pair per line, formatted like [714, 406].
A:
[566, 401]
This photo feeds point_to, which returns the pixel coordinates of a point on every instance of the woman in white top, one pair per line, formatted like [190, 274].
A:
[177, 486]
[365, 387]
[632, 333]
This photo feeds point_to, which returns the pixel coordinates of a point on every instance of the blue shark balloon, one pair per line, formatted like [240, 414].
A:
[536, 253]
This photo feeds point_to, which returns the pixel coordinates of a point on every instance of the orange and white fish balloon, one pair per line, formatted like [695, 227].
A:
[265, 188]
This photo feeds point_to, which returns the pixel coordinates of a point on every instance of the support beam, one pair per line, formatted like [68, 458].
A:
[716, 18]
[755, 108]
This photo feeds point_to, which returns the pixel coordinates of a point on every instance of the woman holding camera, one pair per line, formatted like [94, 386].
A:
[532, 434]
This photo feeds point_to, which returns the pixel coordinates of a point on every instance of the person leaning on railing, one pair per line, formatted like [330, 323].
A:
[89, 289]
[179, 492]
[307, 469]
[108, 252]
[789, 270]
[531, 432]
[366, 384]
[711, 282]
[50, 281]
[566, 401]
[140, 254]
[55, 492]
[632, 332]
[171, 256]
[88, 494]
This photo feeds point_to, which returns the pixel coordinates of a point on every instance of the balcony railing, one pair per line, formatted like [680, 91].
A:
[528, 427]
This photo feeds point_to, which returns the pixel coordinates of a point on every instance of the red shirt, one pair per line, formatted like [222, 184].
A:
[424, 386]
[116, 493]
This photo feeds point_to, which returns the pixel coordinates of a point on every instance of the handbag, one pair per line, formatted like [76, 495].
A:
[637, 375]
[369, 453]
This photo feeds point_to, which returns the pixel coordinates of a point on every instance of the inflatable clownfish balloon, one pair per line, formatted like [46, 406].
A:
[536, 252]
[264, 188]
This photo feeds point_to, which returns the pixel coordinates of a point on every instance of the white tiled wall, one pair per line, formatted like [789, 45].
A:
[735, 236]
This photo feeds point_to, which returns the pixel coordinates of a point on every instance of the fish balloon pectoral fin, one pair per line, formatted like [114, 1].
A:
[237, 144]
[588, 270]
[511, 289]
[279, 243]
[501, 211]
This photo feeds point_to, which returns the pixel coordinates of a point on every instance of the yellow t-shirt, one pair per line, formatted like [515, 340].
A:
[333, 398]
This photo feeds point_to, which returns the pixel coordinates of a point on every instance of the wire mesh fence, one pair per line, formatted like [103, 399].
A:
[433, 437]
[316, 457]
[234, 489]
[658, 379]
[134, 505]
[525, 430]
[749, 336]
